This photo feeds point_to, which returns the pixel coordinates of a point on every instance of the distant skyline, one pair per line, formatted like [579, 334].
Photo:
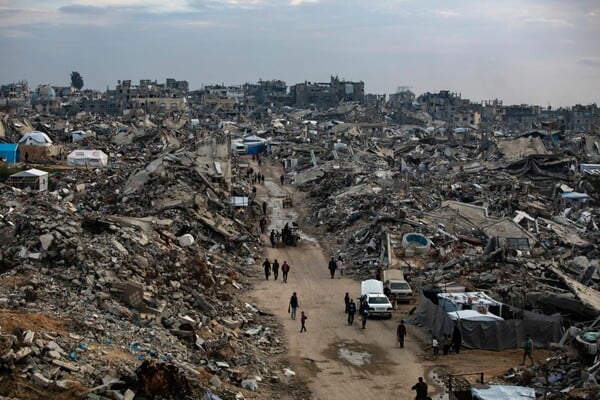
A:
[544, 52]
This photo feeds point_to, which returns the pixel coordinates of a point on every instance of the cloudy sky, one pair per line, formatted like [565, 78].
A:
[530, 51]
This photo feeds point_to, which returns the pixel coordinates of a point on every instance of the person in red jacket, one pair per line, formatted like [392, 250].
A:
[285, 268]
[303, 319]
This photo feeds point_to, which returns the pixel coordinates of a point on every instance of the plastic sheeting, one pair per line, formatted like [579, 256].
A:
[503, 392]
[492, 335]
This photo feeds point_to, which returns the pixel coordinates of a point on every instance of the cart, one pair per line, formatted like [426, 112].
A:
[287, 201]
[292, 238]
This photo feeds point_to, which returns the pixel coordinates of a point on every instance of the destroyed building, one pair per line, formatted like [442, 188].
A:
[148, 249]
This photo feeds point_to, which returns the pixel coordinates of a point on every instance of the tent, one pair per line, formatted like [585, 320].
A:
[87, 158]
[9, 152]
[492, 335]
[36, 138]
[77, 136]
[32, 178]
[254, 144]
[473, 315]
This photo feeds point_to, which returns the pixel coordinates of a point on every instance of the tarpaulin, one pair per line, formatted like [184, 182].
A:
[492, 335]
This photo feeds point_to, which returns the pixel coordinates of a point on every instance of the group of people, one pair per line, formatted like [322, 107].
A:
[449, 342]
[274, 267]
[336, 268]
[254, 176]
[284, 237]
[292, 309]
[350, 309]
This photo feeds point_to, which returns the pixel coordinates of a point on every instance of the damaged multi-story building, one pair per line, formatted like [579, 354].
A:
[327, 94]
[149, 95]
[450, 107]
[271, 92]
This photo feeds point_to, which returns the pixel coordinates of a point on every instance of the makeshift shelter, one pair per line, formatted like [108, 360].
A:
[254, 144]
[473, 315]
[77, 136]
[9, 152]
[493, 335]
[33, 179]
[87, 158]
[36, 138]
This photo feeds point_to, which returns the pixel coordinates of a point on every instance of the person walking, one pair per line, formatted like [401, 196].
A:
[263, 225]
[351, 311]
[332, 266]
[435, 345]
[421, 389]
[446, 344]
[285, 268]
[303, 319]
[401, 333]
[264, 207]
[339, 267]
[282, 179]
[528, 349]
[275, 267]
[346, 302]
[456, 338]
[272, 237]
[293, 306]
[364, 313]
[267, 267]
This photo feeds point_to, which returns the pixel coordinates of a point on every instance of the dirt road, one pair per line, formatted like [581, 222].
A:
[337, 361]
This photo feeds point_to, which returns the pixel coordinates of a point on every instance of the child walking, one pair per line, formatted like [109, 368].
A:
[303, 319]
[435, 345]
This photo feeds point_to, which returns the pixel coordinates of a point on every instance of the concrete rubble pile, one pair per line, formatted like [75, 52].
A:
[121, 276]
[514, 217]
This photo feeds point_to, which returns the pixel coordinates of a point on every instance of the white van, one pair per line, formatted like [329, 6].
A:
[372, 291]
[399, 288]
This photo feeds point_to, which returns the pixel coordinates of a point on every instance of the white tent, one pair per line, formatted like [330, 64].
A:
[36, 138]
[32, 178]
[473, 315]
[87, 158]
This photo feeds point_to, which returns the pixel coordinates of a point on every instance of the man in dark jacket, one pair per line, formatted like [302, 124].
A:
[293, 306]
[456, 338]
[364, 313]
[346, 302]
[267, 267]
[401, 333]
[351, 311]
[275, 267]
[332, 266]
[421, 388]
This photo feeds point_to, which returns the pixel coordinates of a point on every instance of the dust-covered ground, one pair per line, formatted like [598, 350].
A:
[335, 360]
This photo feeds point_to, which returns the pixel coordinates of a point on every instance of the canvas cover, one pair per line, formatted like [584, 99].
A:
[36, 138]
[492, 335]
[87, 158]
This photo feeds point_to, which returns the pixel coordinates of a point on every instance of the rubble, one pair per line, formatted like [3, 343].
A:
[122, 276]
[134, 270]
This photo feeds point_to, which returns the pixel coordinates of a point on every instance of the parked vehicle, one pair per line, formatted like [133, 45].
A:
[399, 288]
[371, 290]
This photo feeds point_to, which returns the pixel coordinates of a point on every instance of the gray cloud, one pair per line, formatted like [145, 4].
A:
[82, 9]
[591, 61]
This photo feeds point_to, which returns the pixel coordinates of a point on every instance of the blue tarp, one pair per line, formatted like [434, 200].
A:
[256, 148]
[9, 152]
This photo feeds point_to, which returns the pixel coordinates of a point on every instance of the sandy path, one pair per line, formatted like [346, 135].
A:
[337, 360]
